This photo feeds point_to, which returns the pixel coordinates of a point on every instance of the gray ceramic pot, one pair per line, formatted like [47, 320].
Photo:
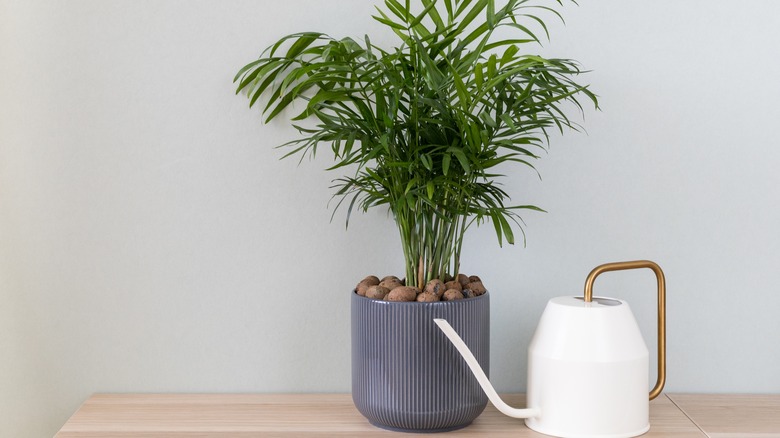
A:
[406, 375]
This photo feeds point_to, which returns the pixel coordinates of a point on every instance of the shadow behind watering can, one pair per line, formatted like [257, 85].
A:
[587, 365]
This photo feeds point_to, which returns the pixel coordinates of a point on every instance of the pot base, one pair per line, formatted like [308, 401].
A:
[398, 429]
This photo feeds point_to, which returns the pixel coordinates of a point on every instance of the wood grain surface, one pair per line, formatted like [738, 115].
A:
[733, 416]
[288, 415]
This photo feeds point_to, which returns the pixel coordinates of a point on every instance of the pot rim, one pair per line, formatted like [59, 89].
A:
[413, 303]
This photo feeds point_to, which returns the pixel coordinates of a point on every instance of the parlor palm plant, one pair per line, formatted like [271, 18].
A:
[426, 127]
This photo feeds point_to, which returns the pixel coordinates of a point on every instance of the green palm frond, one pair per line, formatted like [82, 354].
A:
[423, 127]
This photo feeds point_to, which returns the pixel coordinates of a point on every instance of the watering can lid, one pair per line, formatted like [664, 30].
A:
[579, 301]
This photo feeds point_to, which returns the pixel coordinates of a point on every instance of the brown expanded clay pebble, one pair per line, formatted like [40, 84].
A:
[454, 284]
[427, 297]
[391, 277]
[474, 278]
[436, 287]
[391, 283]
[377, 292]
[463, 279]
[468, 293]
[365, 283]
[372, 280]
[403, 293]
[451, 295]
[477, 288]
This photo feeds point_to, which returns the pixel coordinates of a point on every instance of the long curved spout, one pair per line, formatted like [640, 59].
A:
[480, 375]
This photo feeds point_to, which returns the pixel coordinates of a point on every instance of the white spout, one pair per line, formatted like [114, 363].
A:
[471, 361]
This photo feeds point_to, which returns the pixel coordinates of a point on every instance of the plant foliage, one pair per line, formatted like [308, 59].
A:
[423, 127]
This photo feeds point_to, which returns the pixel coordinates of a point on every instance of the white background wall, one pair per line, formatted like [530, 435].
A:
[151, 241]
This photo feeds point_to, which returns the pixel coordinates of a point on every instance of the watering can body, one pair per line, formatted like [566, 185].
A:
[587, 365]
[587, 370]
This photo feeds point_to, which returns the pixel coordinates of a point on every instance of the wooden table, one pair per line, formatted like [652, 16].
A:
[296, 415]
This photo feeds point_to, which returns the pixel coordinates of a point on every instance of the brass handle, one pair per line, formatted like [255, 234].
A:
[659, 274]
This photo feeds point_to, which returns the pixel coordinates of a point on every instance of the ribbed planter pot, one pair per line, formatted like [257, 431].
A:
[406, 375]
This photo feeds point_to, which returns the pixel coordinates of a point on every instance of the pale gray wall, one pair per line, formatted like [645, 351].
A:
[150, 240]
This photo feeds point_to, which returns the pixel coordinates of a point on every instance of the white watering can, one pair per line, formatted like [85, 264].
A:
[587, 365]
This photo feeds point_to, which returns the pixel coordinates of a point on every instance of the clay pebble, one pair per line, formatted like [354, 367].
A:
[377, 292]
[403, 293]
[427, 297]
[452, 295]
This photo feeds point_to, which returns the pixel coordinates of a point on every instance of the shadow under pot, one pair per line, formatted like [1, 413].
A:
[406, 375]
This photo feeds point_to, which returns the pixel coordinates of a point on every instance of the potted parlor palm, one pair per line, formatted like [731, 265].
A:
[425, 129]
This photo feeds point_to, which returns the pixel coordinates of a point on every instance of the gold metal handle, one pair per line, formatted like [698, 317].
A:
[659, 274]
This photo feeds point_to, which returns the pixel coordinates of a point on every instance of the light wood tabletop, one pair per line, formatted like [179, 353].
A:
[734, 415]
[288, 415]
